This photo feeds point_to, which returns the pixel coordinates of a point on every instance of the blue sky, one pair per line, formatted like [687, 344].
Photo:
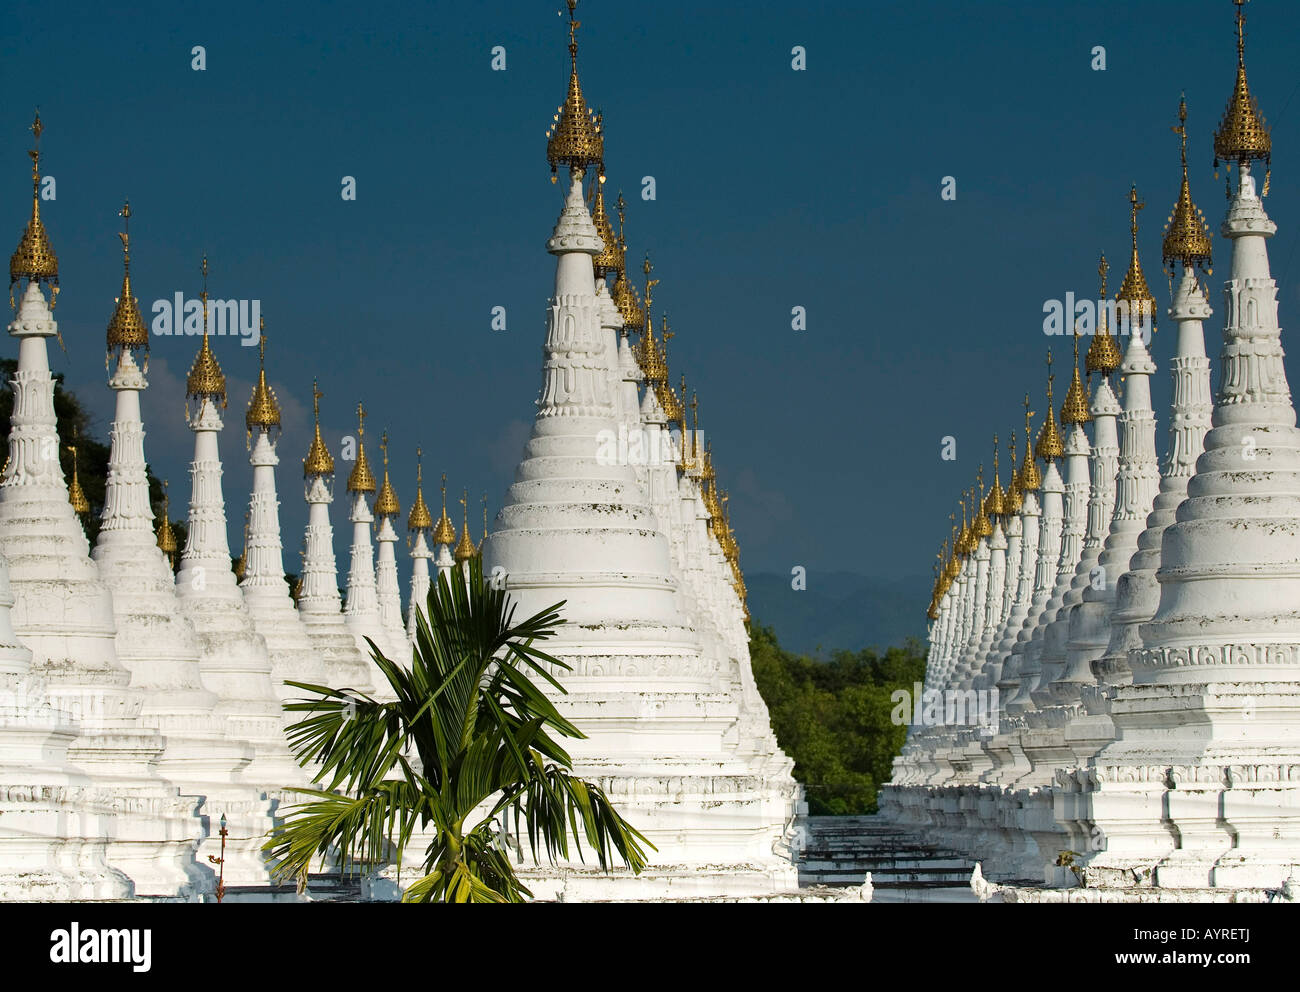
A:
[775, 189]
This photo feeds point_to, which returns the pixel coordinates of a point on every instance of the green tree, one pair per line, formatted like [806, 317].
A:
[834, 718]
[92, 456]
[470, 738]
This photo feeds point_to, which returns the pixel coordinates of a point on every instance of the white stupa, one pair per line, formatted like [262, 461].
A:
[319, 603]
[420, 528]
[234, 661]
[575, 528]
[266, 591]
[1138, 476]
[388, 593]
[361, 609]
[1137, 593]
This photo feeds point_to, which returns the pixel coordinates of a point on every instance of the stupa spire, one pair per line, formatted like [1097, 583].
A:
[126, 328]
[445, 532]
[1050, 446]
[1243, 135]
[263, 408]
[34, 258]
[418, 525]
[362, 606]
[76, 495]
[574, 139]
[1187, 235]
[387, 589]
[318, 600]
[166, 534]
[1134, 293]
[1103, 353]
[294, 657]
[1075, 408]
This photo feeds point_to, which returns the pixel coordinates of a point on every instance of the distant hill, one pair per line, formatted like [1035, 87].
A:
[840, 610]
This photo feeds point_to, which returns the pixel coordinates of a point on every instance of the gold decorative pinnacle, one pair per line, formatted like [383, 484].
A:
[609, 261]
[165, 534]
[420, 518]
[625, 295]
[1015, 494]
[205, 378]
[982, 526]
[319, 461]
[668, 400]
[361, 480]
[444, 532]
[1030, 478]
[263, 410]
[76, 495]
[1243, 133]
[649, 355]
[1134, 290]
[995, 503]
[1075, 408]
[126, 328]
[465, 546]
[1187, 235]
[34, 258]
[386, 504]
[485, 527]
[1103, 353]
[574, 138]
[1050, 445]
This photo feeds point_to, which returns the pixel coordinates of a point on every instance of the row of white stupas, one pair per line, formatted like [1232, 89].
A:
[138, 706]
[1116, 643]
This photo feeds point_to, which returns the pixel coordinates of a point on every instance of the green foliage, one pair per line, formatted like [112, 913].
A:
[833, 718]
[470, 738]
[92, 455]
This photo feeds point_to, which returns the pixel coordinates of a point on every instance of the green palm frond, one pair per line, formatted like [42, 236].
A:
[469, 729]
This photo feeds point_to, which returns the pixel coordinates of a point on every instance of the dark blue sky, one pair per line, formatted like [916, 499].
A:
[775, 188]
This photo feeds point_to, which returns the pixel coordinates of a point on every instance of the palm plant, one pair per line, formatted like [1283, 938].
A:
[470, 737]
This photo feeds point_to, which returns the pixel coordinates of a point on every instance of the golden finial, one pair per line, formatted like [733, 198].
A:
[1103, 354]
[165, 534]
[34, 258]
[1015, 494]
[240, 565]
[1134, 290]
[444, 532]
[319, 461]
[485, 527]
[995, 503]
[205, 378]
[1187, 235]
[983, 527]
[76, 495]
[610, 260]
[1049, 439]
[420, 517]
[649, 355]
[263, 410]
[1243, 133]
[574, 138]
[667, 397]
[386, 504]
[1030, 478]
[464, 547]
[625, 296]
[126, 328]
[361, 480]
[1075, 408]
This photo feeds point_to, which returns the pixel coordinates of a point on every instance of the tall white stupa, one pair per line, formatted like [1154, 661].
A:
[319, 603]
[579, 528]
[387, 591]
[419, 528]
[266, 591]
[234, 661]
[361, 609]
